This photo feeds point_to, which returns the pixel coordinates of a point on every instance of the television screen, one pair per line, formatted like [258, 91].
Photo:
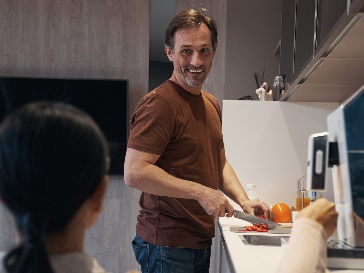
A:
[106, 101]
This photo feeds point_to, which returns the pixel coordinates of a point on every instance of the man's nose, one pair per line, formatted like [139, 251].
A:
[196, 60]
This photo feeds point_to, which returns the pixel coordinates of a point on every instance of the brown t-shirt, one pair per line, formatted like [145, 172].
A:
[185, 130]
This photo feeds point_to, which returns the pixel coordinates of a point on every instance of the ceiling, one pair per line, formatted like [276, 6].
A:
[338, 75]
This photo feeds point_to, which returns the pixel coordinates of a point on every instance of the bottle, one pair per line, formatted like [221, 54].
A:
[302, 199]
[252, 194]
[278, 86]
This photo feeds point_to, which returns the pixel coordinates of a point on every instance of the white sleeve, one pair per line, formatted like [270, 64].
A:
[306, 249]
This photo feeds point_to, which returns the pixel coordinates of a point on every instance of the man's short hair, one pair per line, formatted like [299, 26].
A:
[189, 19]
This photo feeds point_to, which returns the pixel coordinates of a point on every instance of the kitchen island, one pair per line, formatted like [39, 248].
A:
[239, 257]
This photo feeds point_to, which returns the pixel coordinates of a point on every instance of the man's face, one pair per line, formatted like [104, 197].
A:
[192, 57]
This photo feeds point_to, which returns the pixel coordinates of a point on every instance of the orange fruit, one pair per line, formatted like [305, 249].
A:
[282, 213]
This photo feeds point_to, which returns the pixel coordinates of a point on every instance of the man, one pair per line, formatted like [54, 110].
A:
[176, 157]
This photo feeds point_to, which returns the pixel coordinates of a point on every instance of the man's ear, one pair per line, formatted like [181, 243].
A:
[214, 48]
[169, 53]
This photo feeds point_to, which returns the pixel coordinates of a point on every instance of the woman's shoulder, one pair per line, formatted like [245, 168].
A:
[68, 263]
[75, 263]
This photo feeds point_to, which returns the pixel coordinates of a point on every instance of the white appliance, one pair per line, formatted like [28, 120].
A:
[346, 158]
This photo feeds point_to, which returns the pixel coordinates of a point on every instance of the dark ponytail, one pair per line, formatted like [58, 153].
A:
[52, 158]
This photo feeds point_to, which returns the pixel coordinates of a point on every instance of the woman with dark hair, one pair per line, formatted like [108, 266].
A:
[53, 165]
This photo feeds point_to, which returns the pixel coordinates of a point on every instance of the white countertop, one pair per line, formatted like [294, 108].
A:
[251, 258]
[247, 258]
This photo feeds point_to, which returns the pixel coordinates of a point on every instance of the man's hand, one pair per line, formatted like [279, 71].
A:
[322, 211]
[215, 203]
[257, 209]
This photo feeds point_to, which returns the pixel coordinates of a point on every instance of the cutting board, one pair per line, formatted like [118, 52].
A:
[280, 230]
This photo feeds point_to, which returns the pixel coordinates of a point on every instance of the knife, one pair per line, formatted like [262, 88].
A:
[254, 219]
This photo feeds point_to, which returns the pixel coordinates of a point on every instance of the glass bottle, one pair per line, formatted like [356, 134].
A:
[252, 194]
[302, 199]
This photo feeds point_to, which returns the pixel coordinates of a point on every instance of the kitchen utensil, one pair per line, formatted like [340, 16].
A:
[254, 219]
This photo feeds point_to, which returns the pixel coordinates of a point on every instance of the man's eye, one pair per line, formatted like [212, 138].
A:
[185, 51]
[204, 50]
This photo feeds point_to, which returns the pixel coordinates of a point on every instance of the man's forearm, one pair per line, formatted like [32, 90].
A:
[231, 185]
[140, 172]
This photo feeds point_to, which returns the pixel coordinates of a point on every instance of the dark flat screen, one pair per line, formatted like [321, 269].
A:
[104, 100]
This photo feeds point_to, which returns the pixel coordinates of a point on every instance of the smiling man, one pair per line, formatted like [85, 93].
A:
[176, 157]
[192, 54]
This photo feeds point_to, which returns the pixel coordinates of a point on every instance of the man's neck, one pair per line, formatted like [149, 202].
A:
[192, 90]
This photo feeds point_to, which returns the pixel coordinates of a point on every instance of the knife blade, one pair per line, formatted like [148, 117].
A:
[254, 219]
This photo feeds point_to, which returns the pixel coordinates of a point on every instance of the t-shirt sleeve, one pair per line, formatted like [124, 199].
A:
[152, 125]
[215, 103]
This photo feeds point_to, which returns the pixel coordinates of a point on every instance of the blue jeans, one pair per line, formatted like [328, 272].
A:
[165, 259]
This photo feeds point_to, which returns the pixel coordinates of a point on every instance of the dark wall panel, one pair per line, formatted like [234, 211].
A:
[83, 39]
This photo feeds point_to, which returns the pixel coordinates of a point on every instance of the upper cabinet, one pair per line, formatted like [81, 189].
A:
[305, 33]
[321, 54]
[287, 44]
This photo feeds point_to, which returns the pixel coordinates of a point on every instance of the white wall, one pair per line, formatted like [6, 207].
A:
[267, 142]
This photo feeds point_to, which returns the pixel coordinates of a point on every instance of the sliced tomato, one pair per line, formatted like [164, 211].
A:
[263, 227]
[262, 230]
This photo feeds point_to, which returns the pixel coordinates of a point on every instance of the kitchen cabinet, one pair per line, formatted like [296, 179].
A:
[333, 72]
[225, 262]
[328, 14]
[306, 25]
[356, 6]
[305, 33]
[286, 62]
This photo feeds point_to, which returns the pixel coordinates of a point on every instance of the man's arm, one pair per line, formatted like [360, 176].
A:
[140, 172]
[232, 187]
